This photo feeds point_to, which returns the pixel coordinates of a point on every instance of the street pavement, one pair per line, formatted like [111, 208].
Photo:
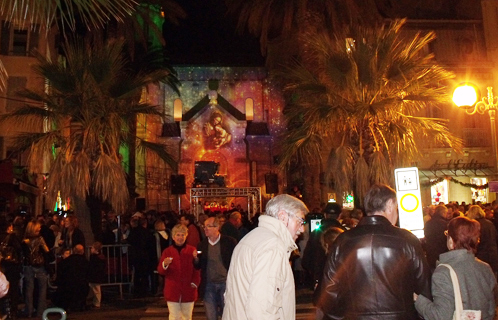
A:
[154, 308]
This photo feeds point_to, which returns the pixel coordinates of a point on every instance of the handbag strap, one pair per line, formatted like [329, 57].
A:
[456, 289]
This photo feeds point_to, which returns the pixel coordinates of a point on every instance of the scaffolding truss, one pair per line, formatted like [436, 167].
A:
[253, 195]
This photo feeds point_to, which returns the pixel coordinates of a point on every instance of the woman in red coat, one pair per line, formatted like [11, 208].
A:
[180, 276]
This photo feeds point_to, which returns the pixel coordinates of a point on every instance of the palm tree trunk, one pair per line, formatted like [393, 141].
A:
[95, 207]
[132, 162]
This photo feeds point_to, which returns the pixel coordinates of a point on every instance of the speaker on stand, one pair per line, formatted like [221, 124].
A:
[140, 204]
[177, 182]
[271, 183]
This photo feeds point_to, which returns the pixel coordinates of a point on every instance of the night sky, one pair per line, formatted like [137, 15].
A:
[208, 37]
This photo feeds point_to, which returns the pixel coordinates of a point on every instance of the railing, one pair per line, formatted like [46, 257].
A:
[117, 268]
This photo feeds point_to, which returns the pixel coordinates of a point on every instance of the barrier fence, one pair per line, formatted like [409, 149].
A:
[117, 268]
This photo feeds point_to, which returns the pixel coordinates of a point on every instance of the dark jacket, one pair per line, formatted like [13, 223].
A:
[228, 229]
[227, 245]
[70, 241]
[487, 249]
[14, 243]
[372, 272]
[72, 282]
[314, 255]
[435, 240]
[96, 269]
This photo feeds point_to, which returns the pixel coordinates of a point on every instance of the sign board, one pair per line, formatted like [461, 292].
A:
[409, 200]
[493, 186]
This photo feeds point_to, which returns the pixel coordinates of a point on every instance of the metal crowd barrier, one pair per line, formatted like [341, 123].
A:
[118, 270]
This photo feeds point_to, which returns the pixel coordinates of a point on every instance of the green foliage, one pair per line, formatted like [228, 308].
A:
[357, 95]
[93, 96]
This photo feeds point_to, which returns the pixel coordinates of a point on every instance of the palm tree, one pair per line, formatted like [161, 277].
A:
[281, 24]
[72, 16]
[358, 96]
[46, 12]
[92, 97]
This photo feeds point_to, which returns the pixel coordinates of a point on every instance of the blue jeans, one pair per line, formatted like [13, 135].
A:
[214, 302]
[40, 274]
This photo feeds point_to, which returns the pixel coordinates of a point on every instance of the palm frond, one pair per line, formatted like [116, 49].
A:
[160, 150]
[3, 76]
[380, 169]
[109, 181]
[340, 167]
[94, 96]
[94, 13]
[271, 19]
[367, 96]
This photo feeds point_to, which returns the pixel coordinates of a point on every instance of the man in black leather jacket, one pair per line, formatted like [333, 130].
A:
[374, 269]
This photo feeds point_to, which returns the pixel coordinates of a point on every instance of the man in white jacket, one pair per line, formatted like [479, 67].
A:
[260, 283]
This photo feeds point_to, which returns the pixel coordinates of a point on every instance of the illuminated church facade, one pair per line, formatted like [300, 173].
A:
[229, 116]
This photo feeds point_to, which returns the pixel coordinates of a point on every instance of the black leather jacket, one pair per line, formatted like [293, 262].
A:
[372, 272]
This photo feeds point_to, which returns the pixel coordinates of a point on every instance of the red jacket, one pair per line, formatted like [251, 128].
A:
[193, 237]
[179, 275]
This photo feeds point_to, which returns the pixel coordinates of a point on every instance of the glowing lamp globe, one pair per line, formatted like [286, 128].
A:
[465, 96]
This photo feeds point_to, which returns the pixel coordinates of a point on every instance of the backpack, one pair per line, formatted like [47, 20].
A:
[8, 253]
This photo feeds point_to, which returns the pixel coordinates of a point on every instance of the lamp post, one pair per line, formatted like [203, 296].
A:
[465, 97]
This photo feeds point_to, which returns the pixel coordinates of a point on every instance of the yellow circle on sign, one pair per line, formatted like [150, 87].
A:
[411, 201]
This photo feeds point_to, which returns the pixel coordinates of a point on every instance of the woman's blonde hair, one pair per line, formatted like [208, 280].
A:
[475, 212]
[179, 228]
[32, 229]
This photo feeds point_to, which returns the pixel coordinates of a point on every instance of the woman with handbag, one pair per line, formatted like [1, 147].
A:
[35, 249]
[463, 287]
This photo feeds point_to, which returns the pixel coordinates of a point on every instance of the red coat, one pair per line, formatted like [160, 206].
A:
[193, 237]
[179, 274]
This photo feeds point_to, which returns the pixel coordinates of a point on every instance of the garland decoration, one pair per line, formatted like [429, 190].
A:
[433, 182]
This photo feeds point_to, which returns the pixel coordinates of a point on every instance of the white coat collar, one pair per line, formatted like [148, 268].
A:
[276, 226]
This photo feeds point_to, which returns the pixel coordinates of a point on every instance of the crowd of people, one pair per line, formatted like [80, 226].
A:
[358, 263]
[46, 261]
[29, 250]
[374, 270]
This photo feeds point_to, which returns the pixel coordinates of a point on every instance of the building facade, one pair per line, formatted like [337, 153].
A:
[232, 117]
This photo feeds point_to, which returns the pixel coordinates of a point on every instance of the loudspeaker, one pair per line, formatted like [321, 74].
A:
[140, 204]
[271, 183]
[178, 184]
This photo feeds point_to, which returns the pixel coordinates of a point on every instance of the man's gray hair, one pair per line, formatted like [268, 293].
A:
[287, 203]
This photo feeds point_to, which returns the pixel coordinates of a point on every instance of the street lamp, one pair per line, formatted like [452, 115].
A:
[465, 96]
